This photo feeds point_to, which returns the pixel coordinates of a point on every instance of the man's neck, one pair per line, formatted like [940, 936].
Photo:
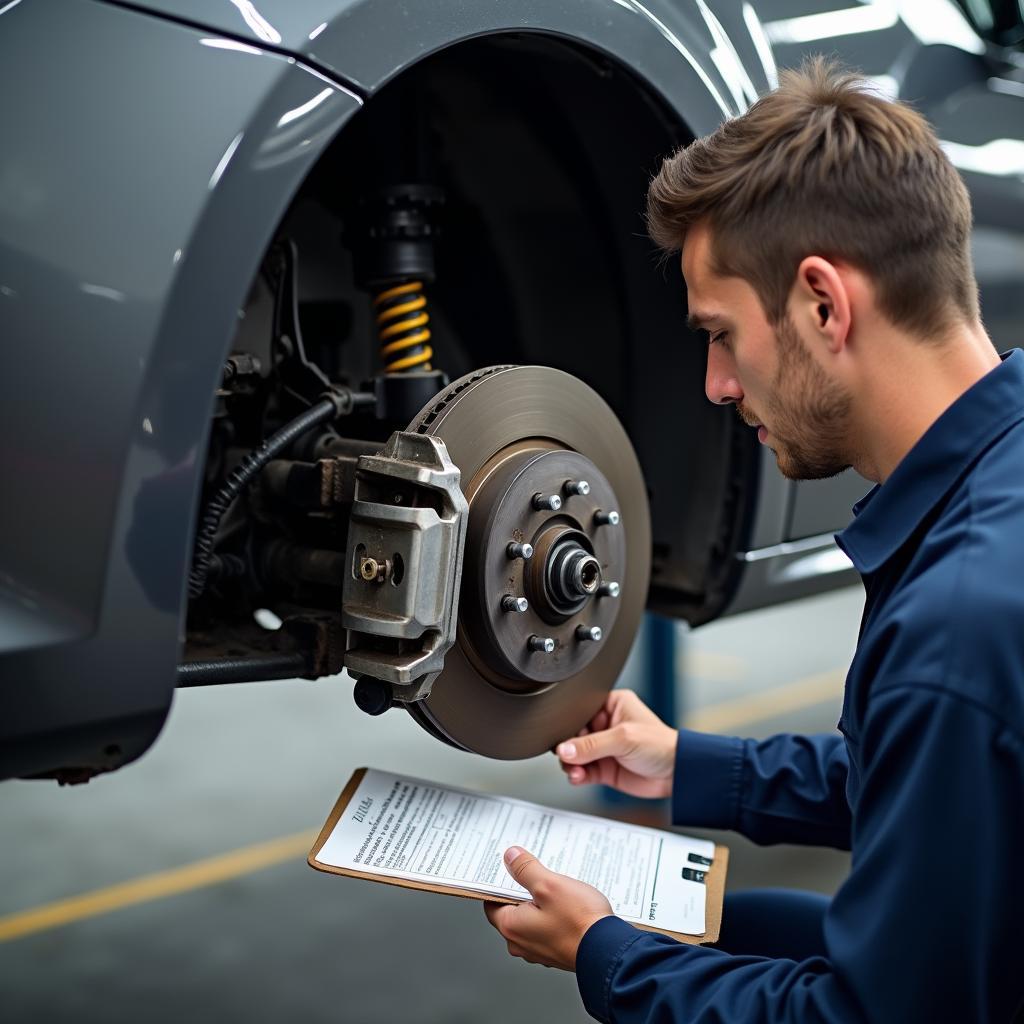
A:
[910, 385]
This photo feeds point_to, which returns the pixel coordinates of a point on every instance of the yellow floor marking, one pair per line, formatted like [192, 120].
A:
[725, 716]
[729, 715]
[156, 886]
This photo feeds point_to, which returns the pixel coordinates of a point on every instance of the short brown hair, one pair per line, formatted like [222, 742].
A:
[824, 166]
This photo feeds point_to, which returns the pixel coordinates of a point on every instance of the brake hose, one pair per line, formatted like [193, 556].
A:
[336, 404]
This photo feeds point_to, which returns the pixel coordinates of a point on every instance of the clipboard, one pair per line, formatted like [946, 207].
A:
[714, 878]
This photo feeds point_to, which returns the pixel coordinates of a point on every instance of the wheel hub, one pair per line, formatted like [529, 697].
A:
[559, 580]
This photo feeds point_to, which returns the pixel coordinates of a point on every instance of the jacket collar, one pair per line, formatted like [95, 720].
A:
[887, 516]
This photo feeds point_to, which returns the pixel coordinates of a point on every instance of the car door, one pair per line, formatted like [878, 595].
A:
[961, 66]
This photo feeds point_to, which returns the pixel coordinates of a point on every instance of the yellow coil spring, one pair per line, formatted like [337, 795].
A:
[402, 320]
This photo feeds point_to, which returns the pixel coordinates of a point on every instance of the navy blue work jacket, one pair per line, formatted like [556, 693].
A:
[925, 785]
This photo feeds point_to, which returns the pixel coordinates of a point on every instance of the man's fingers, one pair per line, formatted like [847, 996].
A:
[582, 732]
[579, 774]
[584, 749]
[498, 914]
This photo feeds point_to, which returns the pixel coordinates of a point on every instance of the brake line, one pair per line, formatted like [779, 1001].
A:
[334, 404]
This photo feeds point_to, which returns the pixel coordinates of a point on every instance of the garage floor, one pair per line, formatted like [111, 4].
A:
[224, 921]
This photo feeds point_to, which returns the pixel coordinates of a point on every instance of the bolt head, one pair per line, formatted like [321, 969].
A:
[514, 604]
[515, 550]
[372, 695]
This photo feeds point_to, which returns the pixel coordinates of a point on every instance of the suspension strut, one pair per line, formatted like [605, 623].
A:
[396, 265]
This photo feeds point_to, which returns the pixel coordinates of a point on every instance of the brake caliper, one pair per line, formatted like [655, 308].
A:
[406, 538]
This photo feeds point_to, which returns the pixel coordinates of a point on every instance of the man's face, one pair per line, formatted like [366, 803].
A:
[769, 374]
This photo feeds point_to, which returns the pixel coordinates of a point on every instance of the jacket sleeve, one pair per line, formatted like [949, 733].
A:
[786, 789]
[935, 880]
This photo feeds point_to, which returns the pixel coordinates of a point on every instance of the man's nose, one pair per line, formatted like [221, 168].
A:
[720, 383]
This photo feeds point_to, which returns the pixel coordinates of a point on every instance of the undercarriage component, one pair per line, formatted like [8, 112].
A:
[527, 672]
[396, 261]
[305, 644]
[407, 532]
[242, 670]
[335, 402]
[320, 413]
[399, 396]
[558, 582]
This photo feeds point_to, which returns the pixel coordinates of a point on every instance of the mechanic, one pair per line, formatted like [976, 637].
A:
[825, 244]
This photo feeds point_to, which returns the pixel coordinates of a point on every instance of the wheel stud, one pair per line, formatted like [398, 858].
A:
[589, 633]
[577, 487]
[541, 643]
[515, 550]
[609, 589]
[610, 518]
[514, 604]
[547, 502]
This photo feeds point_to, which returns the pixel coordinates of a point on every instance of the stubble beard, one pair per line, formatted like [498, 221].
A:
[809, 414]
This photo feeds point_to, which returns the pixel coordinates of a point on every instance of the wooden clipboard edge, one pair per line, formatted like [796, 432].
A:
[714, 879]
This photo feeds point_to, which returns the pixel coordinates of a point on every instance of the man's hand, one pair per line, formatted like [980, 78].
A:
[549, 930]
[626, 746]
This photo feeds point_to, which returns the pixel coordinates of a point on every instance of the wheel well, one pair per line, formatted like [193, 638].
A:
[544, 151]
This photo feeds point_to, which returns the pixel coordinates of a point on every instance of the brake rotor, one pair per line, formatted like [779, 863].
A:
[545, 466]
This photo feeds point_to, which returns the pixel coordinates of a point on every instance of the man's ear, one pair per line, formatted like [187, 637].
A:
[820, 302]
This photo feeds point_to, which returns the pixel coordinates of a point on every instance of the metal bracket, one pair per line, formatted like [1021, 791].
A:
[407, 533]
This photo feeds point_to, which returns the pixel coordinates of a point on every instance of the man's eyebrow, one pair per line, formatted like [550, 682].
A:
[697, 320]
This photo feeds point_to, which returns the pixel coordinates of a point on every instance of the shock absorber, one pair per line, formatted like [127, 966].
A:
[396, 263]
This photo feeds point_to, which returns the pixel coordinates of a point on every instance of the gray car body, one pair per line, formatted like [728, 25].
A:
[130, 229]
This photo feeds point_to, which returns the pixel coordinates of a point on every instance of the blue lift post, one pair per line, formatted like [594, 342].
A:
[651, 672]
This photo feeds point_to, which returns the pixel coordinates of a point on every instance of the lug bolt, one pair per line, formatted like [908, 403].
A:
[577, 487]
[515, 550]
[541, 643]
[547, 502]
[589, 633]
[514, 604]
[610, 589]
[606, 518]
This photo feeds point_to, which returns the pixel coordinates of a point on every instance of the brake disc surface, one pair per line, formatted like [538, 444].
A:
[522, 435]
